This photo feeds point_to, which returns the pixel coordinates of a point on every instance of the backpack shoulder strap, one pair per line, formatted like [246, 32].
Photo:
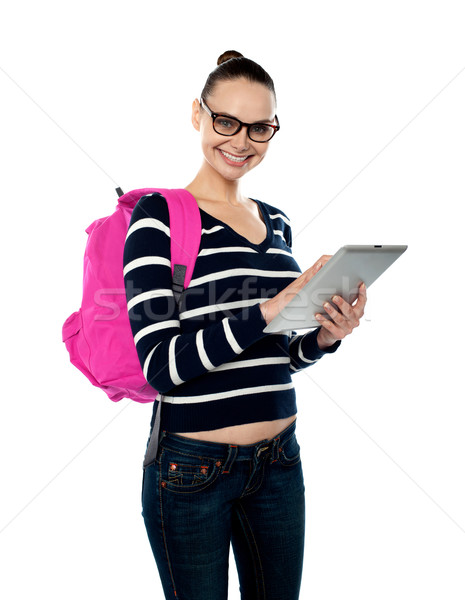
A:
[185, 232]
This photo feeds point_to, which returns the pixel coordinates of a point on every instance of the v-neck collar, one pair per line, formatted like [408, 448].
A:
[262, 246]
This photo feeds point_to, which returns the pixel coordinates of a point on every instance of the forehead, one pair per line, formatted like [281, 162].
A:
[247, 100]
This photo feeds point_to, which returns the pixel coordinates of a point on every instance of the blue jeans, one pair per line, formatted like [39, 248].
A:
[199, 497]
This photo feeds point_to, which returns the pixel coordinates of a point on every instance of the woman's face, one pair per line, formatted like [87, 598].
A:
[250, 102]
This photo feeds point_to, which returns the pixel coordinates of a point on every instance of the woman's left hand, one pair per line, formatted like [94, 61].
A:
[343, 321]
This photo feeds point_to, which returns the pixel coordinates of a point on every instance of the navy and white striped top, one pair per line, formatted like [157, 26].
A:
[210, 359]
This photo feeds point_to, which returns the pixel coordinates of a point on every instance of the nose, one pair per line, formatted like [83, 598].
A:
[240, 141]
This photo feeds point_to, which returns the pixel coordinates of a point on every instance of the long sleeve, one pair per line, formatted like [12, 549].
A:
[168, 356]
[304, 350]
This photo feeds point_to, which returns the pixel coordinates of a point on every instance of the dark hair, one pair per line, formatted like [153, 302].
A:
[232, 65]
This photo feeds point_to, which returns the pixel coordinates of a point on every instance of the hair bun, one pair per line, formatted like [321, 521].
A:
[227, 55]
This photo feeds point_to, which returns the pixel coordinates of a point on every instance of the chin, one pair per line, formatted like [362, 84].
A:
[235, 173]
[233, 178]
[231, 174]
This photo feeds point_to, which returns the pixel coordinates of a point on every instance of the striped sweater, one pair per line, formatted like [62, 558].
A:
[210, 358]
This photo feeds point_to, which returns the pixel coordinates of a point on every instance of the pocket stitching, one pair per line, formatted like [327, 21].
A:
[284, 459]
[197, 477]
[194, 487]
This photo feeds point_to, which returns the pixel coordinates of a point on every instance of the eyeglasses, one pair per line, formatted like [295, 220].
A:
[226, 125]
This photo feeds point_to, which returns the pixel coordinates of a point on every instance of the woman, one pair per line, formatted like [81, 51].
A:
[228, 465]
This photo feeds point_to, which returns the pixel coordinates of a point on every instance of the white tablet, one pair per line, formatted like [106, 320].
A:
[341, 275]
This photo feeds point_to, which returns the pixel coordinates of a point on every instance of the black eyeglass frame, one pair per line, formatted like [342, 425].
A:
[213, 115]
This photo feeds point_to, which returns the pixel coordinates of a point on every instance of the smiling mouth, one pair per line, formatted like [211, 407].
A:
[234, 158]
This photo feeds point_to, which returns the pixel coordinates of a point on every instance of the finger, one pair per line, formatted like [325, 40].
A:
[339, 319]
[351, 319]
[362, 293]
[335, 331]
[324, 258]
[361, 296]
[359, 305]
[312, 271]
[347, 310]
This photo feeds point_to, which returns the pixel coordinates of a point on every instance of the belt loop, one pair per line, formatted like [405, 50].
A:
[230, 459]
[275, 449]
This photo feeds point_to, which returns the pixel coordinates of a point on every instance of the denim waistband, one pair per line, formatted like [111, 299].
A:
[217, 449]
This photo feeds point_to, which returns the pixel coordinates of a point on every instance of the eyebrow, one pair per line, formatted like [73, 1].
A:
[226, 114]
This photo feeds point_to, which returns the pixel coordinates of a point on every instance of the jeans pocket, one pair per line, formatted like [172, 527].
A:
[289, 452]
[187, 473]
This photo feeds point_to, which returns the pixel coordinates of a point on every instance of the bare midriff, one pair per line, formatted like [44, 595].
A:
[249, 433]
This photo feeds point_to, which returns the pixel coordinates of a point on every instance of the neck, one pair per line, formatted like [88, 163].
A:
[208, 184]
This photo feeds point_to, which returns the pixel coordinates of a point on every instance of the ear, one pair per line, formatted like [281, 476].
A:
[196, 114]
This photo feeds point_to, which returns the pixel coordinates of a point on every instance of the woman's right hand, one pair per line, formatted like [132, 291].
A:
[272, 307]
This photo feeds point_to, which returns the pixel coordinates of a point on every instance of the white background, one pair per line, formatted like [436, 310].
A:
[371, 100]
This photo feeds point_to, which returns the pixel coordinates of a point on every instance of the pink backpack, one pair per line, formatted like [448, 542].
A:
[98, 336]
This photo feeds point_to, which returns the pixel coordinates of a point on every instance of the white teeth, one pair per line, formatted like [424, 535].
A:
[233, 158]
